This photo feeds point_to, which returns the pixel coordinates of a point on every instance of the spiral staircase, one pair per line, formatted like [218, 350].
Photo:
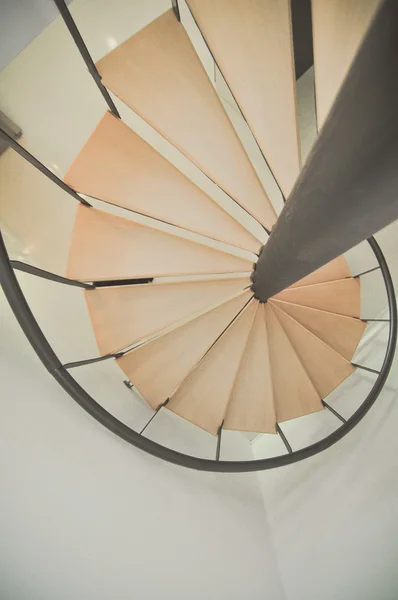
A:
[181, 309]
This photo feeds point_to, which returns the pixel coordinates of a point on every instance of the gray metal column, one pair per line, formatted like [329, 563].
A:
[348, 189]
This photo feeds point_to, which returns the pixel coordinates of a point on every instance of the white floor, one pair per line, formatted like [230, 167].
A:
[82, 514]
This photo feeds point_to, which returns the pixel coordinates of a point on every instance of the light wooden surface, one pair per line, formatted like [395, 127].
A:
[326, 368]
[157, 367]
[251, 407]
[123, 315]
[118, 166]
[252, 45]
[338, 331]
[105, 247]
[158, 74]
[203, 396]
[294, 392]
[341, 296]
[335, 269]
[338, 29]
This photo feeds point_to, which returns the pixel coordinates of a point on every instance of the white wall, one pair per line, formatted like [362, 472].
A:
[334, 517]
[84, 515]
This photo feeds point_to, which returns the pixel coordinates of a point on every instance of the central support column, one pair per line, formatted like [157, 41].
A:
[348, 189]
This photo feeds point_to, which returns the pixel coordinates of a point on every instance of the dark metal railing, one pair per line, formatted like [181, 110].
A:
[176, 9]
[283, 438]
[333, 411]
[153, 416]
[26, 268]
[32, 270]
[218, 447]
[91, 361]
[60, 372]
[42, 168]
[366, 272]
[365, 368]
[118, 282]
[75, 33]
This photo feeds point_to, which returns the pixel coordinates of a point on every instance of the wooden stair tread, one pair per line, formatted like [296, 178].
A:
[158, 74]
[106, 247]
[338, 331]
[157, 367]
[118, 166]
[326, 368]
[294, 392]
[338, 30]
[124, 315]
[203, 396]
[341, 296]
[335, 269]
[251, 407]
[252, 45]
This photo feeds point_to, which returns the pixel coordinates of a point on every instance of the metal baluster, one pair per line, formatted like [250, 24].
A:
[21, 266]
[334, 412]
[42, 168]
[218, 449]
[75, 33]
[288, 446]
[154, 415]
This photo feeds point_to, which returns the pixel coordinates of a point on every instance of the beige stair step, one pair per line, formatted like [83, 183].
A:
[124, 315]
[157, 367]
[118, 166]
[335, 269]
[106, 247]
[326, 368]
[341, 296]
[251, 407]
[203, 396]
[338, 331]
[252, 45]
[294, 392]
[339, 27]
[158, 74]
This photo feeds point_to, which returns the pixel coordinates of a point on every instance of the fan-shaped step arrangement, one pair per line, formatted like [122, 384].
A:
[118, 166]
[251, 41]
[294, 393]
[325, 367]
[335, 269]
[105, 247]
[339, 332]
[203, 396]
[251, 405]
[158, 74]
[124, 315]
[339, 27]
[157, 367]
[341, 296]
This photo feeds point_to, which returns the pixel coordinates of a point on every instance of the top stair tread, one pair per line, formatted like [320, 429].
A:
[158, 74]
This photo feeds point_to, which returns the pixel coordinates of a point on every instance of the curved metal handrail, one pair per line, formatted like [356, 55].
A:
[50, 360]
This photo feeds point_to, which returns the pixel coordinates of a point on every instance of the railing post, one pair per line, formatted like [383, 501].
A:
[40, 167]
[26, 268]
[75, 33]
[176, 9]
[218, 447]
